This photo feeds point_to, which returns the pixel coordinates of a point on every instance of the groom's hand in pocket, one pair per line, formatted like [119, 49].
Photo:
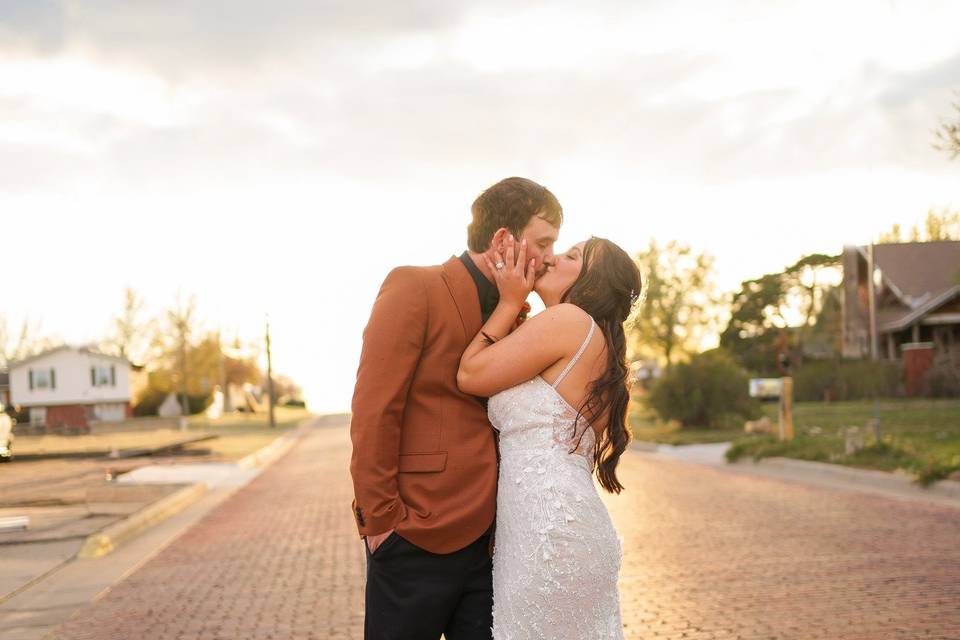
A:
[375, 541]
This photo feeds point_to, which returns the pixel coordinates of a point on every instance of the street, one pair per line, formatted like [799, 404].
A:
[707, 554]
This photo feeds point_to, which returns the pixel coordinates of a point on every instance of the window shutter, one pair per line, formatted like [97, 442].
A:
[93, 376]
[113, 376]
[53, 378]
[31, 379]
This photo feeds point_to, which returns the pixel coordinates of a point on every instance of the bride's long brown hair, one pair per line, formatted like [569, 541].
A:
[607, 288]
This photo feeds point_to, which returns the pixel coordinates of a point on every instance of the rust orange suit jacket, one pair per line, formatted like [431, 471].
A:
[424, 455]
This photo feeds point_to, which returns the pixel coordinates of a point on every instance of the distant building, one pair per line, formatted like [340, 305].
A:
[916, 301]
[917, 297]
[72, 387]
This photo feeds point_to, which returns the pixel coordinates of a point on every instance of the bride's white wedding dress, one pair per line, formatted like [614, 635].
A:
[557, 554]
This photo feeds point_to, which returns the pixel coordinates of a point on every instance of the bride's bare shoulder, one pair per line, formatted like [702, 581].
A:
[564, 313]
[560, 321]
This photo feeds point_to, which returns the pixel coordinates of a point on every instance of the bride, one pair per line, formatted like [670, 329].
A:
[558, 398]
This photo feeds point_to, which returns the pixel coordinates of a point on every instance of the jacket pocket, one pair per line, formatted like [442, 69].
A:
[423, 462]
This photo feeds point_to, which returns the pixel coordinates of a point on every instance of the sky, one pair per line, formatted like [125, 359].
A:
[280, 158]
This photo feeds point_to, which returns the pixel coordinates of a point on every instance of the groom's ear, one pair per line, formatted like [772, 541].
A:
[499, 240]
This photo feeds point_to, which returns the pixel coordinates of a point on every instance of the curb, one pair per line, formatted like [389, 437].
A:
[888, 483]
[106, 540]
[108, 453]
[865, 477]
[265, 455]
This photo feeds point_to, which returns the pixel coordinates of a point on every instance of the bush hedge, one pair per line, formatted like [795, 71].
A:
[711, 390]
[846, 380]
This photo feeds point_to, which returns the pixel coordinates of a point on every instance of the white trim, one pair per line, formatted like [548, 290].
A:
[935, 319]
[914, 315]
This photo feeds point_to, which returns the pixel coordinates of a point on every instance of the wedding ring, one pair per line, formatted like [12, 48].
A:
[499, 266]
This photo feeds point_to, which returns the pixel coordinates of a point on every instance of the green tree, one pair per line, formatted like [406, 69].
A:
[681, 303]
[203, 356]
[773, 315]
[711, 390]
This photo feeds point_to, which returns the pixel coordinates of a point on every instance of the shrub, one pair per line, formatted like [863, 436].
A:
[841, 380]
[148, 404]
[711, 390]
[943, 379]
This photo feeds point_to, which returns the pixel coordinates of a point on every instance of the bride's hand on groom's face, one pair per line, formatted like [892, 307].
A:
[513, 273]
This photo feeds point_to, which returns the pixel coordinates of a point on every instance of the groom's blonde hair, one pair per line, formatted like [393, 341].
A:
[510, 203]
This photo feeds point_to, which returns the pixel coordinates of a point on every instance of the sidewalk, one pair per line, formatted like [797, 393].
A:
[835, 476]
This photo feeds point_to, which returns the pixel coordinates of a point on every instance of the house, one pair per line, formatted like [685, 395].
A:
[72, 387]
[915, 292]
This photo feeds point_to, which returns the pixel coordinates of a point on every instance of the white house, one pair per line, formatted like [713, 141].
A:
[72, 386]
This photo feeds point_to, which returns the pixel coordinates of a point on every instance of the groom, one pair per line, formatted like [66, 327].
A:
[424, 461]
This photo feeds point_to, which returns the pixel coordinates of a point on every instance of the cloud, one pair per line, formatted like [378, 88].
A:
[225, 92]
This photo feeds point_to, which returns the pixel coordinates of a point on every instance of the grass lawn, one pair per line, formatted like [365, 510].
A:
[241, 434]
[237, 436]
[921, 437]
[92, 443]
[648, 427]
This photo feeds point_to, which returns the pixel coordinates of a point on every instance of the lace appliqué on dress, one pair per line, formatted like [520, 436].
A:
[557, 555]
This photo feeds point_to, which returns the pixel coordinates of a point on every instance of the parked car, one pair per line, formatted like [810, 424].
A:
[6, 436]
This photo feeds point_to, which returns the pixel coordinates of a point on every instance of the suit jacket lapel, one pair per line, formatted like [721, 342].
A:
[464, 292]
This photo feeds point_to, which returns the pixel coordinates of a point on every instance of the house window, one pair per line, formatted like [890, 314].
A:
[102, 376]
[43, 378]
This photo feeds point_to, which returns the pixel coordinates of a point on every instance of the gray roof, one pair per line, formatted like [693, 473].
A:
[922, 275]
[88, 350]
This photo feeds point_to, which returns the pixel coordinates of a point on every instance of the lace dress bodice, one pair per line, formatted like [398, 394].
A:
[557, 554]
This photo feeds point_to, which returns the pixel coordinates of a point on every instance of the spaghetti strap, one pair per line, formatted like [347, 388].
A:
[573, 361]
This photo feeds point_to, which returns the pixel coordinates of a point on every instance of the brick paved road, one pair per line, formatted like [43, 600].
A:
[708, 554]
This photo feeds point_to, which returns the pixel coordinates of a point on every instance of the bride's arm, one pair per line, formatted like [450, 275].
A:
[512, 358]
[486, 369]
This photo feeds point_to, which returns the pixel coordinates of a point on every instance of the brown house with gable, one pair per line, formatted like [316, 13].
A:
[916, 296]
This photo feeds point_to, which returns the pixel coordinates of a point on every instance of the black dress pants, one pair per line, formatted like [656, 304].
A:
[413, 594]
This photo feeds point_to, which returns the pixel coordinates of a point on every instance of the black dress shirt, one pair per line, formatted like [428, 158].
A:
[486, 290]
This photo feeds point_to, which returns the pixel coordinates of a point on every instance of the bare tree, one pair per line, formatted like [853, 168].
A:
[27, 341]
[130, 328]
[948, 134]
[938, 225]
[171, 341]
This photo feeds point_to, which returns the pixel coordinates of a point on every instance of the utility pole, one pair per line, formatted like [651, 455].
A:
[273, 421]
[872, 304]
[223, 375]
[874, 341]
[184, 402]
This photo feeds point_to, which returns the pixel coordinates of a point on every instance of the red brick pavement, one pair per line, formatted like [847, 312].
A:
[279, 559]
[707, 554]
[712, 554]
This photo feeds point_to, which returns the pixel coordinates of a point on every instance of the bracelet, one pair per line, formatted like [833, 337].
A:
[487, 338]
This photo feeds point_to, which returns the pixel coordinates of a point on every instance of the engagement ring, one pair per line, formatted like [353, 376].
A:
[499, 266]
